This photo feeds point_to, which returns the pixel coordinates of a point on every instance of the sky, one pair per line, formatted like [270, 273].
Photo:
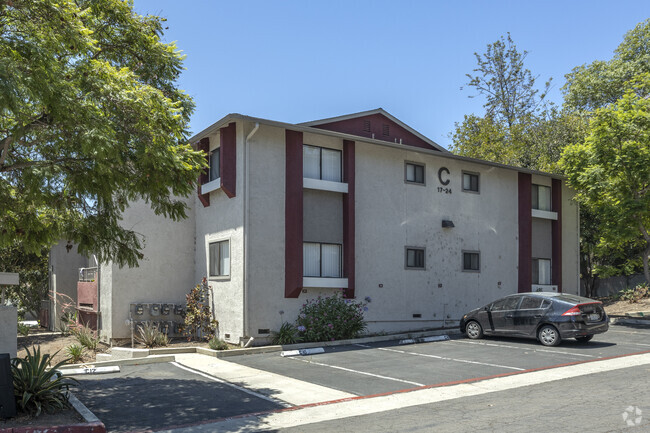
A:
[296, 61]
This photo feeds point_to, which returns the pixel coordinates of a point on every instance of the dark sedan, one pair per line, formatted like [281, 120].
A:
[548, 317]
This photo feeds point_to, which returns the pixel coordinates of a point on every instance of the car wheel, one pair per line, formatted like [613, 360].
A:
[474, 330]
[548, 336]
[584, 339]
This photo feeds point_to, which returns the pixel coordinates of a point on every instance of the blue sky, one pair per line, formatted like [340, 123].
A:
[295, 61]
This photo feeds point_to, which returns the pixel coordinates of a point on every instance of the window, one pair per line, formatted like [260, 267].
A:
[541, 197]
[214, 164]
[505, 304]
[414, 258]
[530, 303]
[321, 260]
[542, 271]
[470, 182]
[471, 261]
[219, 259]
[414, 173]
[321, 163]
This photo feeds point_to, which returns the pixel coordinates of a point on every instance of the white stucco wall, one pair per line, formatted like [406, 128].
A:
[164, 275]
[224, 220]
[570, 242]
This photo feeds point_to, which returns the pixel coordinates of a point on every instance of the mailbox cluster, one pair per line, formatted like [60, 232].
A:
[166, 316]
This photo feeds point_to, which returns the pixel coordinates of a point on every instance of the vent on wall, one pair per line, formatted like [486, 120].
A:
[385, 130]
[366, 126]
[417, 316]
[263, 331]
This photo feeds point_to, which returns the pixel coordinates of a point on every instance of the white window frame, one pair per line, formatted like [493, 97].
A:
[415, 165]
[534, 199]
[320, 163]
[320, 256]
[536, 275]
[220, 274]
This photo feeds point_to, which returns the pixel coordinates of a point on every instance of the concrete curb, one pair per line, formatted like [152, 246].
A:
[622, 321]
[146, 356]
[91, 423]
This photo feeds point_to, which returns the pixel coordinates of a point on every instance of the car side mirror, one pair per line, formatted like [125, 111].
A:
[486, 308]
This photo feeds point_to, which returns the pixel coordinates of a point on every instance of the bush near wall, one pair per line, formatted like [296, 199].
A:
[331, 318]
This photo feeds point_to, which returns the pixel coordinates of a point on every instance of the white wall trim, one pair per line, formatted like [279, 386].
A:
[324, 185]
[327, 283]
[213, 185]
[544, 214]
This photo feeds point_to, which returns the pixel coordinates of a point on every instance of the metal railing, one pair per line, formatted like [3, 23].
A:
[87, 274]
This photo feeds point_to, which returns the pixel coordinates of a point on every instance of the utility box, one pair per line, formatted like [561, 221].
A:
[8, 330]
[7, 400]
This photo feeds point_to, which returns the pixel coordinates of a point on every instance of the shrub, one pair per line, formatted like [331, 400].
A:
[149, 335]
[331, 318]
[217, 344]
[86, 336]
[288, 334]
[198, 317]
[634, 295]
[38, 388]
[75, 352]
[23, 329]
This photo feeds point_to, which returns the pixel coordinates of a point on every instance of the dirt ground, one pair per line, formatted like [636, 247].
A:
[55, 344]
[66, 417]
[620, 308]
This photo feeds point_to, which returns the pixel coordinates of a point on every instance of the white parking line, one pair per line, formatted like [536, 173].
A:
[357, 371]
[232, 385]
[523, 348]
[444, 358]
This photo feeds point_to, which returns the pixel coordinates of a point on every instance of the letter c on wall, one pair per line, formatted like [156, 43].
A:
[443, 170]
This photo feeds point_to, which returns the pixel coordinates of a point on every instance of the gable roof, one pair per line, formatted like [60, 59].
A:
[376, 124]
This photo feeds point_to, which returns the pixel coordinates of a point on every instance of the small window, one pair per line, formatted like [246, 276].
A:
[542, 271]
[214, 164]
[322, 260]
[219, 259]
[470, 182]
[414, 258]
[530, 303]
[541, 198]
[471, 261]
[321, 163]
[414, 173]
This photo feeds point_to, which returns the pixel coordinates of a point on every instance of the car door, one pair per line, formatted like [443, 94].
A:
[528, 315]
[502, 314]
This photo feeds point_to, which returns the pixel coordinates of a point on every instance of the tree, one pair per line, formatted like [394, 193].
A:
[90, 120]
[611, 169]
[517, 128]
[33, 287]
[601, 83]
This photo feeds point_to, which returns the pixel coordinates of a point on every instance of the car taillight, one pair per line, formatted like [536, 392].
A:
[575, 311]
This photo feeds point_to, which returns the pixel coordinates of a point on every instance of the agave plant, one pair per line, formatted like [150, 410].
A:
[75, 352]
[150, 335]
[37, 386]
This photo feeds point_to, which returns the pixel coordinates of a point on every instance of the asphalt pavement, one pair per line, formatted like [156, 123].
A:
[484, 381]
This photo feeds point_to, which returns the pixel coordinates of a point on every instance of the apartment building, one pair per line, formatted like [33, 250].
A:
[361, 204]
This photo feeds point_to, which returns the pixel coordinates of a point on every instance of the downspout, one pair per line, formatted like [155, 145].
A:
[246, 224]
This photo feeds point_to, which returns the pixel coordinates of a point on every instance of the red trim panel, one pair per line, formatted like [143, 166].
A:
[348, 217]
[556, 234]
[293, 217]
[228, 160]
[204, 145]
[525, 232]
[376, 126]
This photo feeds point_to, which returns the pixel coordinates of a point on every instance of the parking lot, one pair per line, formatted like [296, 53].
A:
[198, 389]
